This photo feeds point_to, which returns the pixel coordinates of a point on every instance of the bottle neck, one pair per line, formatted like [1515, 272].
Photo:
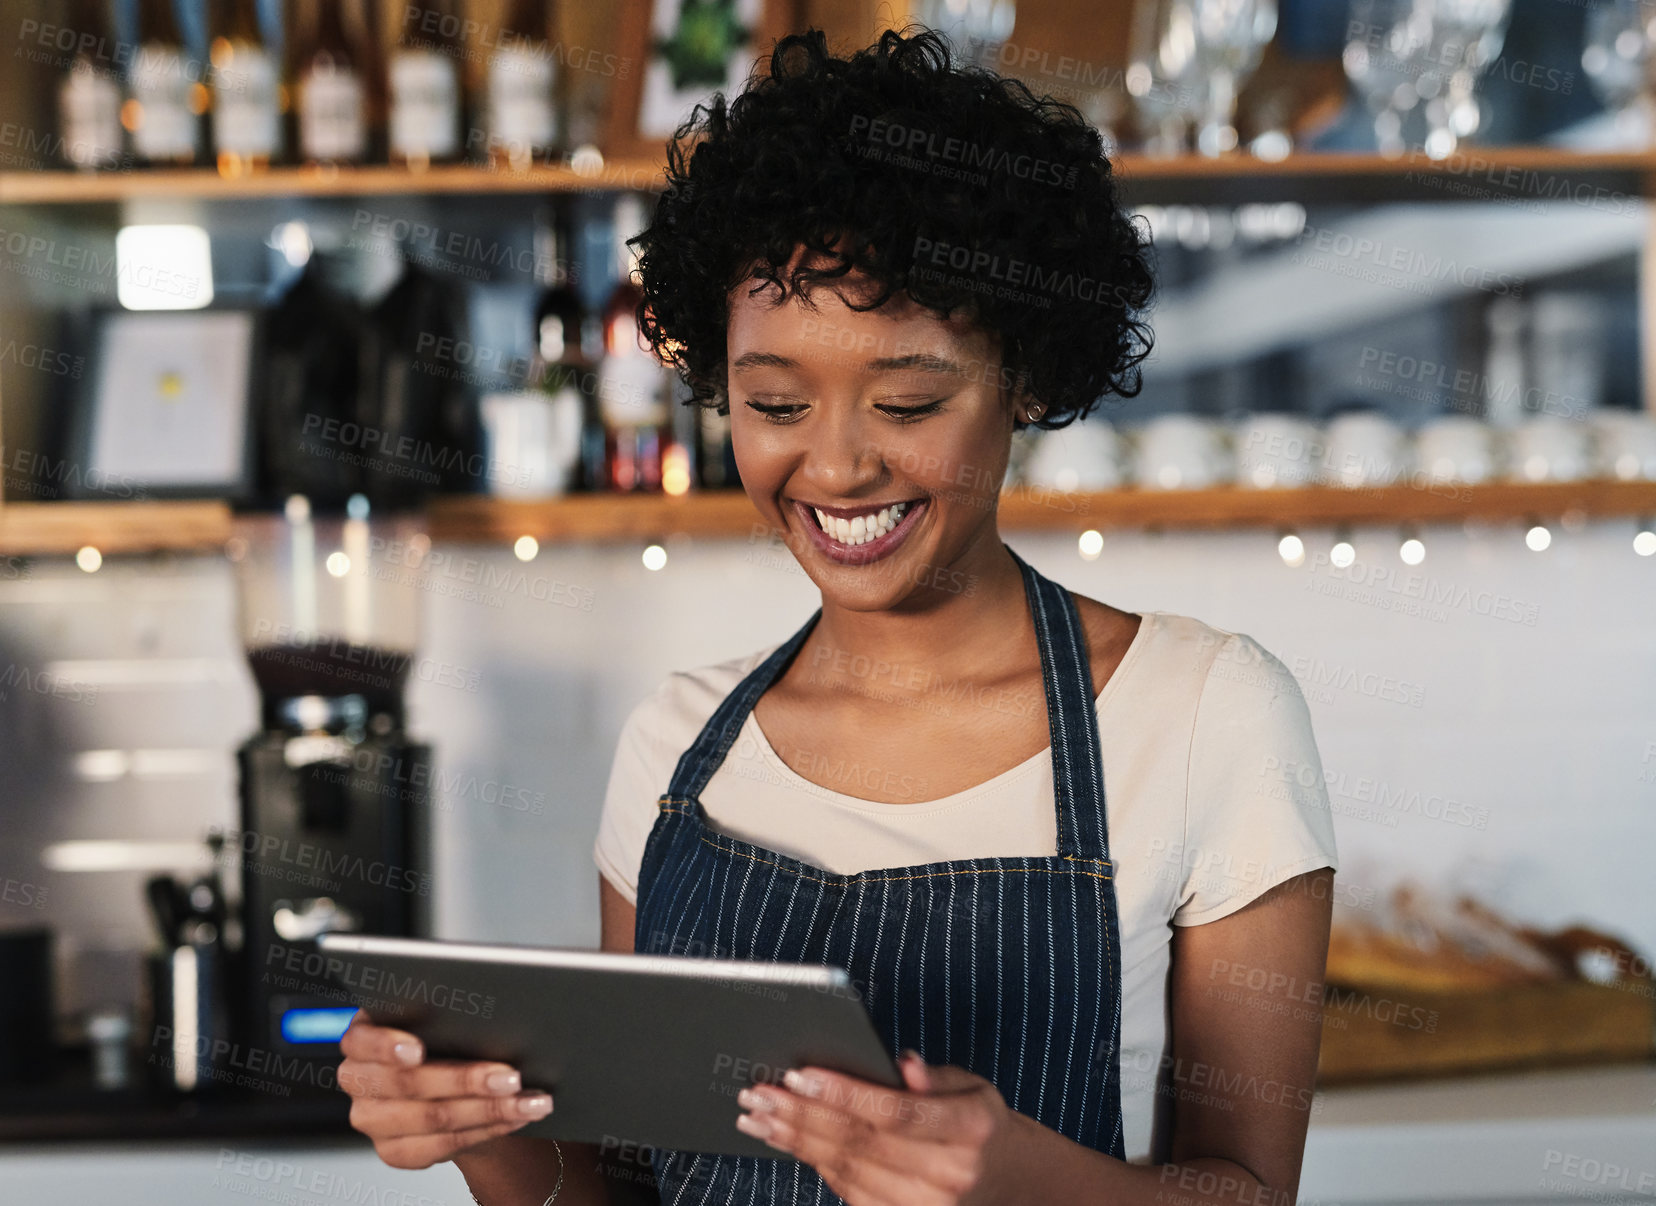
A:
[158, 23]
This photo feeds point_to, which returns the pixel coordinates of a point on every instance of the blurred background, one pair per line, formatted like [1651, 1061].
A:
[343, 520]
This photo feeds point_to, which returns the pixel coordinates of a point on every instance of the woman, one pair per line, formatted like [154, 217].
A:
[1078, 859]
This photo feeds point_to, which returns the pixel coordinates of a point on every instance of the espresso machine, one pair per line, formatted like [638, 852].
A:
[335, 805]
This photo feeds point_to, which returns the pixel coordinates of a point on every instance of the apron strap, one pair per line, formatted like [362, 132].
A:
[1072, 720]
[1072, 716]
[697, 764]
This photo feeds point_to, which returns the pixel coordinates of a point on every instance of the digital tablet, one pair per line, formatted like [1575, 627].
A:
[642, 1049]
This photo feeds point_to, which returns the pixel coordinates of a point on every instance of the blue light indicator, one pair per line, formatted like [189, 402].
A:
[316, 1025]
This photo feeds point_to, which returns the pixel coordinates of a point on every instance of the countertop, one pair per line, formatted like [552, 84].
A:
[1565, 1135]
[1540, 1137]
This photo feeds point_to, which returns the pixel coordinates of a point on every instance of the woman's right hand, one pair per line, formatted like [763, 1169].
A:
[419, 1112]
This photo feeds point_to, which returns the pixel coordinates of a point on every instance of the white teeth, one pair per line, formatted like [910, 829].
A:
[863, 528]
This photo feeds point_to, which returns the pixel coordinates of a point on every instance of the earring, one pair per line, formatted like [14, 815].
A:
[1036, 411]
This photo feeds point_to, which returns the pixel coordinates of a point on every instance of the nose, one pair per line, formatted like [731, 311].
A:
[840, 456]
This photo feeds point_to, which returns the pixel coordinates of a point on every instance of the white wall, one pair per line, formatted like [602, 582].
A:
[1511, 757]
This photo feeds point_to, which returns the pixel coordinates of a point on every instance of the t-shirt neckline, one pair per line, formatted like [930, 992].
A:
[942, 803]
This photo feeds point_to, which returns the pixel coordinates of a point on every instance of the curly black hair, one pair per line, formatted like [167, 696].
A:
[946, 181]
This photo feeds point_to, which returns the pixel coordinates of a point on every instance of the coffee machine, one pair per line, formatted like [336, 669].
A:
[335, 806]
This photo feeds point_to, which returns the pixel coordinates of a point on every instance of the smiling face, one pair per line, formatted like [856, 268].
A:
[876, 440]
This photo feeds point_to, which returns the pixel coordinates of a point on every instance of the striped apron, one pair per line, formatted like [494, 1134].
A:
[1007, 967]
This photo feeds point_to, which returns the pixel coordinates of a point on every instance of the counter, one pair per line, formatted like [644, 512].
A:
[1536, 1138]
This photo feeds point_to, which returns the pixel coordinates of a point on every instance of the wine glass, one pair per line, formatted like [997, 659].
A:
[977, 28]
[1165, 72]
[1466, 37]
[1231, 36]
[1385, 43]
[1616, 55]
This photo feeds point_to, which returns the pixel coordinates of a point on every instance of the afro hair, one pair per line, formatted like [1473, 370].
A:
[921, 175]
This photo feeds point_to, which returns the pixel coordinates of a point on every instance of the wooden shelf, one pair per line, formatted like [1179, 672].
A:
[594, 518]
[55, 528]
[62, 528]
[78, 188]
[1526, 173]
[732, 516]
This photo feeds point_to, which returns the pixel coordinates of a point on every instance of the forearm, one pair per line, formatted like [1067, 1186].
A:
[520, 1170]
[1053, 1168]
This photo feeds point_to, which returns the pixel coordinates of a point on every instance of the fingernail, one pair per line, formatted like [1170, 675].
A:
[538, 1106]
[504, 1082]
[913, 1056]
[805, 1086]
[759, 1128]
[408, 1053]
[749, 1100]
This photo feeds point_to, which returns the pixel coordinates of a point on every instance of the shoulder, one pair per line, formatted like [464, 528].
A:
[668, 718]
[1168, 652]
[655, 734]
[1222, 692]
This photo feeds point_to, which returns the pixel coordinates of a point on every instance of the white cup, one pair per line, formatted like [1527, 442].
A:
[1625, 443]
[1456, 448]
[1181, 452]
[533, 441]
[1549, 449]
[1366, 449]
[1086, 455]
[1277, 450]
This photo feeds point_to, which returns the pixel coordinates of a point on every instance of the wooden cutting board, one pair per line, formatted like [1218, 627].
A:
[1385, 1034]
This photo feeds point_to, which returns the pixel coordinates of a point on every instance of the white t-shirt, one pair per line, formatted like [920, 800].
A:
[1214, 793]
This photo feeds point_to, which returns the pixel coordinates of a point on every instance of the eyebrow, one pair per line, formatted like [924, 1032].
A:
[925, 363]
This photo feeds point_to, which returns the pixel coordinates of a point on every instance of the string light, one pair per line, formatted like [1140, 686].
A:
[1644, 540]
[1538, 538]
[1291, 549]
[654, 557]
[1090, 544]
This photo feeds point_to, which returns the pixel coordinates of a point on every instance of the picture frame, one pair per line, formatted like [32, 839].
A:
[166, 406]
[673, 77]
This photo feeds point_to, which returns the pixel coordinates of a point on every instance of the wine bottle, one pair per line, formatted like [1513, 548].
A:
[89, 95]
[633, 394]
[715, 455]
[246, 119]
[563, 368]
[332, 74]
[163, 107]
[521, 116]
[425, 84]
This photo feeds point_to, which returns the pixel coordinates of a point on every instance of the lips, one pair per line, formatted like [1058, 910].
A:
[870, 550]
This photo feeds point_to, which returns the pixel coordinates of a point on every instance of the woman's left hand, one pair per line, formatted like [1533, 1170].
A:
[949, 1141]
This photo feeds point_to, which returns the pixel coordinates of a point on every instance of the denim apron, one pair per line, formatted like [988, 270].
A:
[1007, 967]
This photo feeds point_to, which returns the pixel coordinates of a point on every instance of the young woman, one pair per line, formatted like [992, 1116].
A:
[1078, 860]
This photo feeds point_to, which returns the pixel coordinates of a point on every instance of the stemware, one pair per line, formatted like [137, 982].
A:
[1386, 41]
[1467, 36]
[1616, 56]
[1231, 36]
[1165, 73]
[977, 28]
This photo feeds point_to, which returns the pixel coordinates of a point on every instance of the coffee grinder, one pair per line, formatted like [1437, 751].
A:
[334, 794]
